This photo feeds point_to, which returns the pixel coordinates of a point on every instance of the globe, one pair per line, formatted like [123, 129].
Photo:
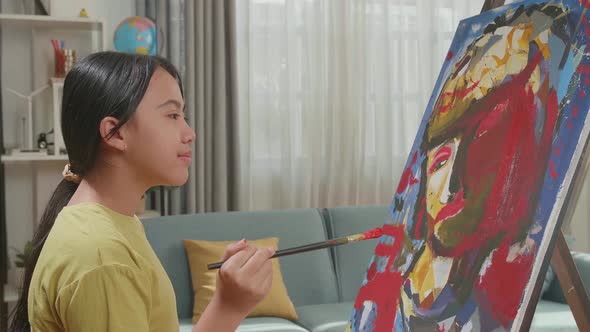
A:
[136, 35]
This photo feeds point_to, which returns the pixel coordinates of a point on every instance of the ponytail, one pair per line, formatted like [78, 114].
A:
[60, 198]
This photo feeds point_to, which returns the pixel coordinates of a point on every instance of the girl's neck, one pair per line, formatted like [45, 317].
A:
[113, 186]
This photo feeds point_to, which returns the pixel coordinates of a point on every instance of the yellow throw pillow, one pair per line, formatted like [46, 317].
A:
[200, 253]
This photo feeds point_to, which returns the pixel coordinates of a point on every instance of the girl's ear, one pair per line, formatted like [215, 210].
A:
[115, 140]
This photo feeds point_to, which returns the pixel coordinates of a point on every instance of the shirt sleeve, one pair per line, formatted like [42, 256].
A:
[109, 298]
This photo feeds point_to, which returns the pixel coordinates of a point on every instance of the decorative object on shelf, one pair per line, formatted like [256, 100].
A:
[70, 59]
[16, 272]
[29, 141]
[42, 142]
[59, 147]
[136, 35]
[64, 58]
[83, 13]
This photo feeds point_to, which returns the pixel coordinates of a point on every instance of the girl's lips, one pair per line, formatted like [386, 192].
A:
[186, 157]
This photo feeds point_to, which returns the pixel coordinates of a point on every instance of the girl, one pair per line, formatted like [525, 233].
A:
[92, 268]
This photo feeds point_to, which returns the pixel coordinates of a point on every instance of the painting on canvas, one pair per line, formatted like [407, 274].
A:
[479, 201]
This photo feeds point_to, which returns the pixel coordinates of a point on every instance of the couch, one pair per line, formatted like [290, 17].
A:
[322, 284]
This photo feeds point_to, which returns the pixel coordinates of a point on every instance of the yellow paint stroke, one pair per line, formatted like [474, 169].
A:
[422, 275]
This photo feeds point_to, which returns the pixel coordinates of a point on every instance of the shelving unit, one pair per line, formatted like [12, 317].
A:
[27, 64]
[44, 28]
[23, 158]
[52, 22]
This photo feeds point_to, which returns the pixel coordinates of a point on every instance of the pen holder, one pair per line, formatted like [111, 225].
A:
[60, 60]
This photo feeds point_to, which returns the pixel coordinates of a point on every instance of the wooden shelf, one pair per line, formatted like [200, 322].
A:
[22, 158]
[10, 294]
[51, 22]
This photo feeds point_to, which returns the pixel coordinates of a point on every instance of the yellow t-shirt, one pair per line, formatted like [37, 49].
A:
[97, 272]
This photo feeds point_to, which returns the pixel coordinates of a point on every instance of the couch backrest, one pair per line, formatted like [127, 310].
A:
[582, 261]
[309, 277]
[351, 261]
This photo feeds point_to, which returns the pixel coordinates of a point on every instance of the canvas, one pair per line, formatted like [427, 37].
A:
[479, 201]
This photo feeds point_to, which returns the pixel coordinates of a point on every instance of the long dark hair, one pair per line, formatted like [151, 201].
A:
[100, 85]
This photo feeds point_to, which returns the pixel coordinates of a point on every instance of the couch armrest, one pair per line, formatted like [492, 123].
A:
[582, 261]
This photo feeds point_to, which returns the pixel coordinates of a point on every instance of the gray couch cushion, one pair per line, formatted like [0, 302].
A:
[331, 317]
[582, 261]
[263, 324]
[351, 260]
[292, 227]
[552, 316]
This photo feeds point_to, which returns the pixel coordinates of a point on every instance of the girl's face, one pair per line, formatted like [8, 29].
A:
[158, 137]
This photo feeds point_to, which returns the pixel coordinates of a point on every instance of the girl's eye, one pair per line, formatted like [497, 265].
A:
[174, 116]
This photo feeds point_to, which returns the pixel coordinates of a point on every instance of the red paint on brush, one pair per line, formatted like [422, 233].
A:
[373, 234]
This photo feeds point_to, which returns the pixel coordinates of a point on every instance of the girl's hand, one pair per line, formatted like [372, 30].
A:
[245, 277]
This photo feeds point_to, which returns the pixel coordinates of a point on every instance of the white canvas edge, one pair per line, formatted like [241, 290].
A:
[551, 223]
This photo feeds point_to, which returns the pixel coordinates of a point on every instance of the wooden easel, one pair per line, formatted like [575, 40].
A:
[561, 259]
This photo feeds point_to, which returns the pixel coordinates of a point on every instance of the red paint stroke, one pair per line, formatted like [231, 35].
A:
[584, 70]
[586, 26]
[557, 151]
[420, 219]
[582, 93]
[449, 55]
[385, 287]
[570, 124]
[575, 110]
[451, 209]
[407, 179]
[500, 289]
[456, 94]
[552, 169]
[585, 3]
[373, 234]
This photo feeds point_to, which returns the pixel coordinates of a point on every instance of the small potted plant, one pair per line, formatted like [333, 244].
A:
[16, 273]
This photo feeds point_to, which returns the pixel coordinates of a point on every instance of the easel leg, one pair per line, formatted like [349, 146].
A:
[571, 283]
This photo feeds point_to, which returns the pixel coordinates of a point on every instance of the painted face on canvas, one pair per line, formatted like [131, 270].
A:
[440, 202]
[469, 179]
[159, 144]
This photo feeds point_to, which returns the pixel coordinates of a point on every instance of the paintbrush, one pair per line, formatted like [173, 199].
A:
[372, 234]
